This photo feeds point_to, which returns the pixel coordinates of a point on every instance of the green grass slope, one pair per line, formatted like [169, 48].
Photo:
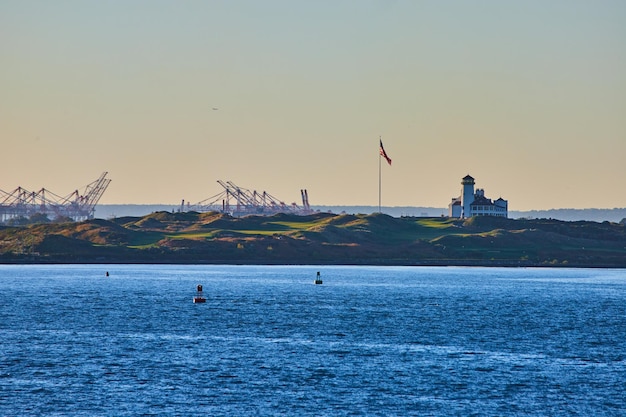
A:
[321, 238]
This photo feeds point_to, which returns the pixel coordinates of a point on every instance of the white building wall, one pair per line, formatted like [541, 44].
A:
[454, 210]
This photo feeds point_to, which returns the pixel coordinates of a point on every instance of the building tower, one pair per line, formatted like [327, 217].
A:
[467, 196]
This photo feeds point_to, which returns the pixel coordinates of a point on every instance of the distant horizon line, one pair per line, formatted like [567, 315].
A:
[376, 206]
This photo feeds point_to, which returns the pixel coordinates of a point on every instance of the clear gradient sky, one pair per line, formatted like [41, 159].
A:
[529, 97]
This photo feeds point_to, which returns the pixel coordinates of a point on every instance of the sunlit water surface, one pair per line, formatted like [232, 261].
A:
[368, 341]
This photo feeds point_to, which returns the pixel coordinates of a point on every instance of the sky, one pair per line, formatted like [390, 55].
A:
[528, 97]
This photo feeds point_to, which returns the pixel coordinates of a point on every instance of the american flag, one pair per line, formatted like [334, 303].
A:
[383, 153]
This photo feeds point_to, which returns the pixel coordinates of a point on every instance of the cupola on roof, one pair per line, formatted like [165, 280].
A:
[468, 179]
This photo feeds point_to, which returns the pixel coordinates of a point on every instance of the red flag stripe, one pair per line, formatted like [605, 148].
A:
[383, 153]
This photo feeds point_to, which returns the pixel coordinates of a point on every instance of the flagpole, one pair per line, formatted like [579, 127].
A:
[379, 180]
[381, 152]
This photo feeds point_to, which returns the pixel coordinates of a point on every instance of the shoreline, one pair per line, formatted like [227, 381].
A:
[466, 264]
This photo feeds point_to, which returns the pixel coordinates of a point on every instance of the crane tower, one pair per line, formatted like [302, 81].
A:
[238, 201]
[23, 204]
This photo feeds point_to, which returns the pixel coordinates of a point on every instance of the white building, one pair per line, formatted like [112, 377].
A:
[472, 203]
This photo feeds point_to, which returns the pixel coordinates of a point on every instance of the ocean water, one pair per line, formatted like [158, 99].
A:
[370, 341]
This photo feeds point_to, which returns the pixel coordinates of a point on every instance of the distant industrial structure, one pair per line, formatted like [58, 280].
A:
[21, 205]
[238, 201]
[472, 203]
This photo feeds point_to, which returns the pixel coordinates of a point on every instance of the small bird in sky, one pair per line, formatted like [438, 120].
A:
[215, 108]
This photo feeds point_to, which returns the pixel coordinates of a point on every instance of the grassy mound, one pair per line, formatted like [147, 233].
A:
[319, 238]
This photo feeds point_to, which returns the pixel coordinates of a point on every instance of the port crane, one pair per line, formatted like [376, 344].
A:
[21, 203]
[238, 201]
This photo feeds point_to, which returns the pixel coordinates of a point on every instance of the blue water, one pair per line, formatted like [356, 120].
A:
[370, 341]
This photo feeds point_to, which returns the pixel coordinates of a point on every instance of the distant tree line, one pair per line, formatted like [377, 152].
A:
[36, 218]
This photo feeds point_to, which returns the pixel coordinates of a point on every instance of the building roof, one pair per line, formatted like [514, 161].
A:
[481, 201]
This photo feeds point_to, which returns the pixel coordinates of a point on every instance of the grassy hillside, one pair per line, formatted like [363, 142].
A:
[321, 238]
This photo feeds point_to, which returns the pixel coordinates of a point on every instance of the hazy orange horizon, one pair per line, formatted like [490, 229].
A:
[527, 97]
